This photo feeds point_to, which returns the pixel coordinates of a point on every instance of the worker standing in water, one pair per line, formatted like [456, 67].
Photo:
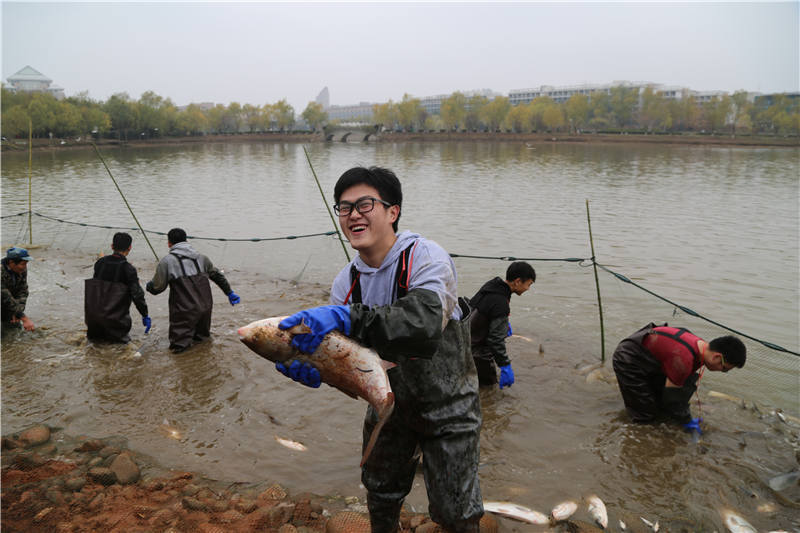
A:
[187, 272]
[490, 323]
[108, 295]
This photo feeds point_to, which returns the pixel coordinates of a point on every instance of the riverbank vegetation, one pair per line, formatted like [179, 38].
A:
[622, 110]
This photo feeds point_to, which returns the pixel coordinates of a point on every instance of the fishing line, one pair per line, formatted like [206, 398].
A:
[335, 226]
[125, 200]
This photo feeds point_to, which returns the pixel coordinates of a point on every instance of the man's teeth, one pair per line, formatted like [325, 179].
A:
[358, 228]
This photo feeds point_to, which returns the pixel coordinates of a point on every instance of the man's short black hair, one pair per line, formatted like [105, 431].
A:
[121, 241]
[176, 235]
[382, 179]
[521, 270]
[731, 348]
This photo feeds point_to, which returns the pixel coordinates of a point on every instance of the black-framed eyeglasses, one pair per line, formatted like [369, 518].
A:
[365, 204]
[724, 362]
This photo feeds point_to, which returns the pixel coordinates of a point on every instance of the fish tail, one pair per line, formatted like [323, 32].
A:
[376, 431]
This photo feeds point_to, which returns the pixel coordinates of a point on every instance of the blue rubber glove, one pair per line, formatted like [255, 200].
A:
[506, 376]
[304, 373]
[509, 332]
[694, 425]
[322, 320]
[147, 323]
[233, 298]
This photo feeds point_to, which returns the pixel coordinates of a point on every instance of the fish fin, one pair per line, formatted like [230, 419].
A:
[374, 437]
[386, 365]
[300, 328]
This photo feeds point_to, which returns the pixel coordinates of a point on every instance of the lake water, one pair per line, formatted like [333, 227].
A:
[713, 229]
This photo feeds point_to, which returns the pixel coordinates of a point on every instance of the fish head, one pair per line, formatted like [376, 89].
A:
[266, 339]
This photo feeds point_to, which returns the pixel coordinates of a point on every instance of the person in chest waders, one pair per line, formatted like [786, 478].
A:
[399, 297]
[657, 366]
[108, 295]
[187, 272]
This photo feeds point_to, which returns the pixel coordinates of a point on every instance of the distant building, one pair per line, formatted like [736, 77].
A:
[565, 92]
[203, 106]
[433, 104]
[323, 98]
[361, 112]
[30, 80]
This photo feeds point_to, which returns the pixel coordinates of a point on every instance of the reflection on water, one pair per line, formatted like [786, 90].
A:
[715, 229]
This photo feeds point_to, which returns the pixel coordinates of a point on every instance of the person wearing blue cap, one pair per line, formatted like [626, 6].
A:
[15, 289]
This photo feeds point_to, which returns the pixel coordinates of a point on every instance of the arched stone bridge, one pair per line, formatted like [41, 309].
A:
[352, 134]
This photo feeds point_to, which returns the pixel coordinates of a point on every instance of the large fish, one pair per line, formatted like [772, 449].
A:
[342, 363]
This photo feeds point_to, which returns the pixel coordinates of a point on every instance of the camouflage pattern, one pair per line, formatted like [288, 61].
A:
[14, 293]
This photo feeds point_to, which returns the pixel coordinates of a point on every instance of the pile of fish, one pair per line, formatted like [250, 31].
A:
[343, 363]
[597, 510]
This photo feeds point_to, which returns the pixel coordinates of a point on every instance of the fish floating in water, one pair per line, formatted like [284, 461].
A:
[735, 523]
[598, 510]
[516, 512]
[563, 510]
[342, 363]
[291, 444]
[648, 523]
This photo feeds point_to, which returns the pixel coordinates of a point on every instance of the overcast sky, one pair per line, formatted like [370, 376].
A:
[258, 53]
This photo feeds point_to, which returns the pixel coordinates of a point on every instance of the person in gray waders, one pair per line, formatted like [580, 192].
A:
[108, 295]
[399, 297]
[186, 272]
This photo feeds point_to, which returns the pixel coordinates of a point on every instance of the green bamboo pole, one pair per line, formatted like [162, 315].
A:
[597, 284]
[335, 226]
[30, 167]
[125, 200]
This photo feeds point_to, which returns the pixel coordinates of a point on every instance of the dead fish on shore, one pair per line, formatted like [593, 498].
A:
[291, 444]
[735, 523]
[516, 512]
[598, 510]
[783, 481]
[563, 510]
[648, 523]
[342, 363]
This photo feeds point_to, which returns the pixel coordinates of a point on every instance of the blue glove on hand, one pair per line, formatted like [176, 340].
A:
[304, 373]
[233, 298]
[322, 320]
[147, 323]
[509, 332]
[694, 425]
[506, 376]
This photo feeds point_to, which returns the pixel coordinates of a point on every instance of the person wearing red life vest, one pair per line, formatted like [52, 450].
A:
[657, 370]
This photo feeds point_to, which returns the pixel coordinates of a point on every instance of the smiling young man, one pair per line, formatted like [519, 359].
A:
[399, 297]
[657, 366]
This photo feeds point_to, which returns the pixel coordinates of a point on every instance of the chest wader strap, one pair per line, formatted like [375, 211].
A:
[183, 270]
[400, 287]
[677, 337]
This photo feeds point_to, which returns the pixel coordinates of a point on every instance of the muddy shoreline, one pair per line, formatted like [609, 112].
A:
[54, 482]
[21, 145]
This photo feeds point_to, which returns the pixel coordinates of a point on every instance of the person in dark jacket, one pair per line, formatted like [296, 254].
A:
[490, 325]
[186, 272]
[657, 366]
[399, 297]
[108, 295]
[15, 289]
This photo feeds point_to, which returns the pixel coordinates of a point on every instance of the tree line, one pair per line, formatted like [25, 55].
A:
[620, 109]
[150, 116]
